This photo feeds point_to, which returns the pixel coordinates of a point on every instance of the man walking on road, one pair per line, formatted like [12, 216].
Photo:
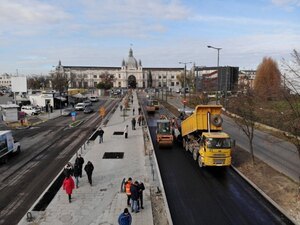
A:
[89, 167]
[133, 123]
[128, 184]
[100, 133]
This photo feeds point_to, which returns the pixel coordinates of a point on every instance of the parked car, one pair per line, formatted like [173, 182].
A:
[30, 110]
[80, 106]
[94, 99]
[88, 109]
[88, 103]
[67, 111]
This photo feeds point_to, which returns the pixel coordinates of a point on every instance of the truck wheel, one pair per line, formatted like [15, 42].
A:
[200, 163]
[195, 154]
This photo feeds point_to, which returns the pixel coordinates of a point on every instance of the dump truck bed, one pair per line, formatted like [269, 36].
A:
[198, 121]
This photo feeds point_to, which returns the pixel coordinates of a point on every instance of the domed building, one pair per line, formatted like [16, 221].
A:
[131, 74]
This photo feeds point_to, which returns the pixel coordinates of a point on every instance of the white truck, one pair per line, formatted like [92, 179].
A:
[7, 145]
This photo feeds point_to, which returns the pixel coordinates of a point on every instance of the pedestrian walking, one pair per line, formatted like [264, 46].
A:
[121, 108]
[133, 123]
[125, 218]
[140, 110]
[128, 184]
[68, 186]
[133, 110]
[76, 174]
[141, 188]
[134, 197]
[139, 120]
[89, 167]
[143, 120]
[100, 133]
[126, 131]
[68, 169]
[80, 161]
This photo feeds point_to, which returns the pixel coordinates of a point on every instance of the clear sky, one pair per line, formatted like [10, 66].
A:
[35, 34]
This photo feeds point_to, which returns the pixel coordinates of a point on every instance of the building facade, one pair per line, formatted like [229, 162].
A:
[223, 78]
[131, 74]
[5, 80]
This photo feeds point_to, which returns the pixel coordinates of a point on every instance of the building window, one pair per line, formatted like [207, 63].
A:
[177, 83]
[172, 76]
[172, 83]
[95, 76]
[95, 84]
[119, 84]
[159, 84]
[159, 77]
[119, 75]
[164, 77]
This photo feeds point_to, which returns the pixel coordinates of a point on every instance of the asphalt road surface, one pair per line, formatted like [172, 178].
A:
[46, 148]
[209, 195]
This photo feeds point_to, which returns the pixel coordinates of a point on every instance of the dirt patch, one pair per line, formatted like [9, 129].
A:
[158, 208]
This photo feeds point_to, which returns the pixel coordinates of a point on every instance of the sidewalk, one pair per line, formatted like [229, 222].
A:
[103, 202]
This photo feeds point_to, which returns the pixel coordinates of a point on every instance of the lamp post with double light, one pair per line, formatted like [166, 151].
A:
[218, 64]
[184, 84]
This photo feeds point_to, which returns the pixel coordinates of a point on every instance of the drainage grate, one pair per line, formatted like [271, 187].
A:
[118, 133]
[113, 155]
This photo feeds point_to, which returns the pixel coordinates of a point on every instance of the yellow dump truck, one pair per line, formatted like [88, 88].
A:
[203, 137]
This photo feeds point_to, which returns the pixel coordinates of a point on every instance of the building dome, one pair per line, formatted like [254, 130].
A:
[131, 62]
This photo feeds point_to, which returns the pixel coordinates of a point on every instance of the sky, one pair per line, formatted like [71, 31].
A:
[36, 34]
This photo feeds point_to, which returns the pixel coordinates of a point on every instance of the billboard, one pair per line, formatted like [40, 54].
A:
[18, 84]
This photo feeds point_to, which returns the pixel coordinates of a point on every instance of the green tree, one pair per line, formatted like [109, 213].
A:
[267, 83]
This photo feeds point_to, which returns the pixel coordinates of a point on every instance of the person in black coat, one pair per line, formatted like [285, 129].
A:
[68, 170]
[141, 188]
[79, 161]
[76, 171]
[100, 133]
[89, 167]
[134, 196]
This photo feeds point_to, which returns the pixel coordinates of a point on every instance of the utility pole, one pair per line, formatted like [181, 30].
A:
[184, 84]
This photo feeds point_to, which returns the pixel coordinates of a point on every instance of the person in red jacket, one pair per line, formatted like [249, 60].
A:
[69, 185]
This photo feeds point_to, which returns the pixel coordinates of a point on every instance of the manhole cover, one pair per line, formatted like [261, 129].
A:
[118, 133]
[113, 155]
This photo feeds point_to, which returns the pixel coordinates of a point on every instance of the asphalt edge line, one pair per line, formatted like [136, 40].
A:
[278, 207]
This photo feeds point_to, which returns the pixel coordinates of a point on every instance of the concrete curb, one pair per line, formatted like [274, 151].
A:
[160, 180]
[263, 194]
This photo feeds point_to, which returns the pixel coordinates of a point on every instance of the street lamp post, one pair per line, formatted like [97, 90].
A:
[218, 61]
[184, 84]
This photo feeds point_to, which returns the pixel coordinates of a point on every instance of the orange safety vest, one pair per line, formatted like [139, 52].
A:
[127, 187]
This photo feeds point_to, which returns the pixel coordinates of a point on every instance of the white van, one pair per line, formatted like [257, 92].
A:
[94, 99]
[29, 110]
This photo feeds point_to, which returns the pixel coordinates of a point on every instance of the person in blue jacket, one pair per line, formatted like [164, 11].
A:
[125, 218]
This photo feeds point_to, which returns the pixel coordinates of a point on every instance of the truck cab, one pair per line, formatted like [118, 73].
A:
[7, 145]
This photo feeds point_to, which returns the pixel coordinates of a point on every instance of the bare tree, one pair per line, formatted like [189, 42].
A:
[37, 82]
[244, 106]
[291, 93]
[107, 81]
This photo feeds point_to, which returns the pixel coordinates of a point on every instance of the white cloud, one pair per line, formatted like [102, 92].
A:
[27, 12]
[287, 4]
